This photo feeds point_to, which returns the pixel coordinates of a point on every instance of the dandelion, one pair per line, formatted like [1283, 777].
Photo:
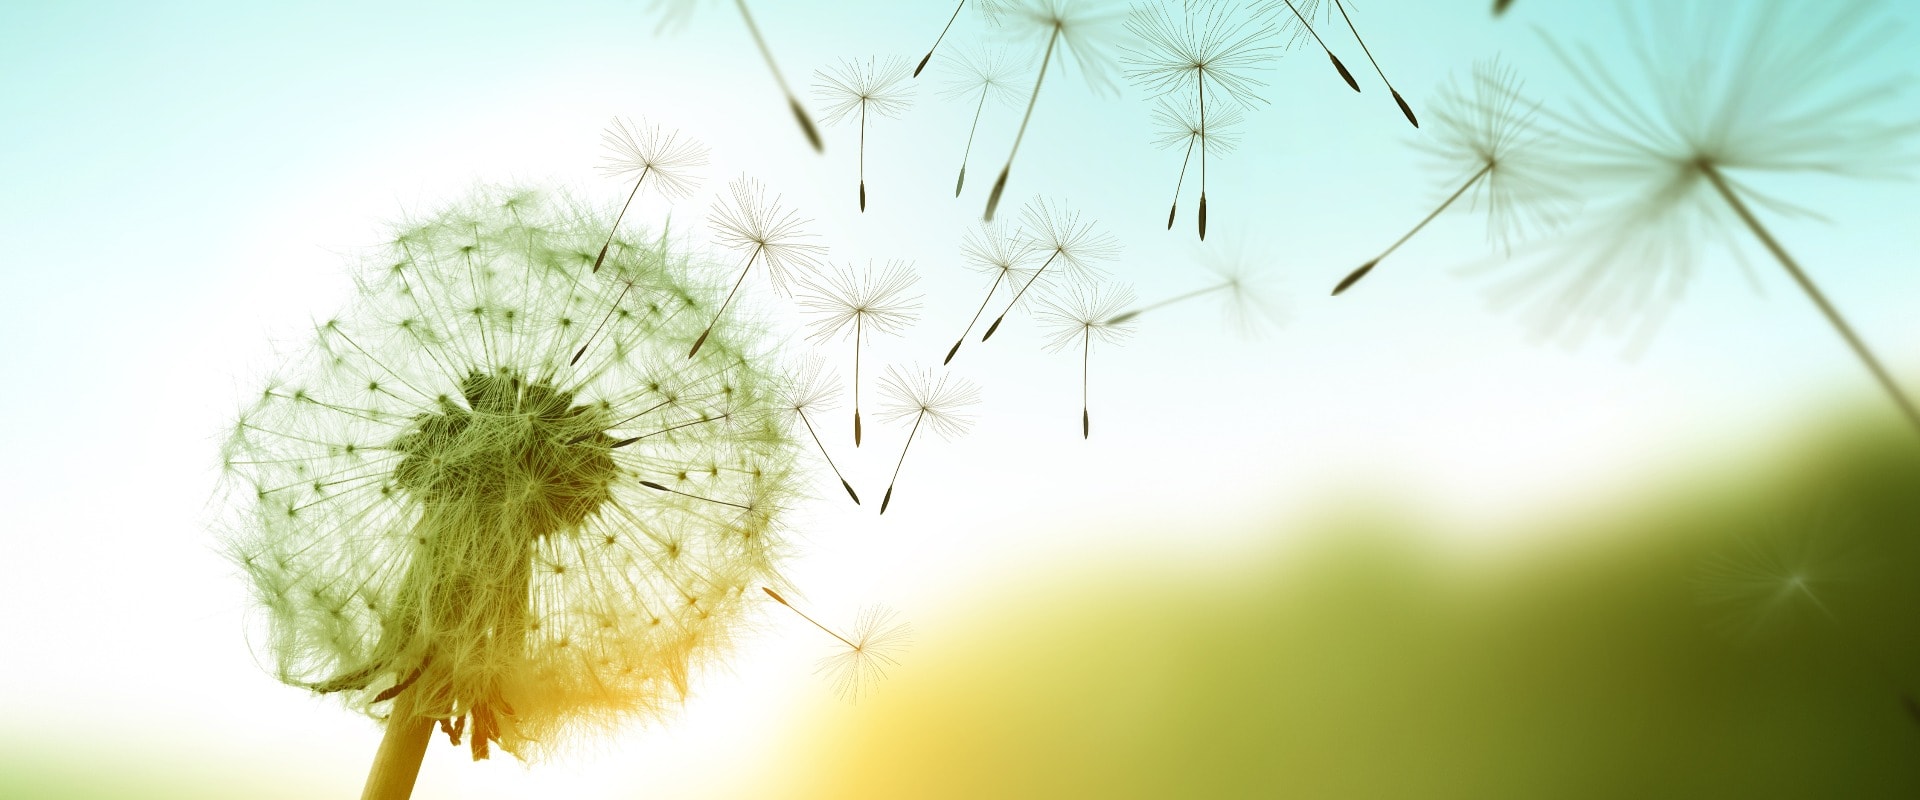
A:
[988, 8]
[1076, 246]
[1178, 128]
[1300, 22]
[1241, 272]
[932, 402]
[869, 653]
[1185, 52]
[1488, 132]
[861, 303]
[872, 88]
[992, 249]
[982, 75]
[1406, 110]
[1078, 25]
[447, 521]
[674, 12]
[765, 232]
[653, 153]
[1735, 97]
[1083, 316]
[810, 389]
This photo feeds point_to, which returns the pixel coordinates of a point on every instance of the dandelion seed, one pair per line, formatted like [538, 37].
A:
[1242, 276]
[675, 12]
[1500, 6]
[1487, 131]
[1078, 25]
[861, 303]
[1405, 109]
[1083, 316]
[1300, 18]
[1075, 246]
[988, 8]
[871, 651]
[765, 232]
[1187, 51]
[1771, 91]
[652, 152]
[811, 390]
[981, 76]
[432, 512]
[932, 402]
[855, 89]
[992, 249]
[1185, 129]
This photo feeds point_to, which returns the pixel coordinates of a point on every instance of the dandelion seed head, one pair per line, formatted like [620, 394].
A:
[1085, 30]
[1779, 574]
[435, 497]
[1086, 315]
[993, 248]
[871, 300]
[665, 157]
[1216, 46]
[939, 399]
[876, 87]
[1055, 232]
[865, 657]
[1178, 126]
[1489, 126]
[1250, 301]
[989, 70]
[810, 387]
[756, 226]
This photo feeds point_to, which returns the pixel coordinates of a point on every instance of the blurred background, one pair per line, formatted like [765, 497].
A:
[1389, 546]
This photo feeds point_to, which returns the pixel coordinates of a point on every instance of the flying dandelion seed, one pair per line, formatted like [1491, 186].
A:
[988, 8]
[1298, 22]
[931, 402]
[1084, 316]
[765, 232]
[652, 152]
[1405, 109]
[982, 75]
[811, 390]
[1733, 97]
[1781, 576]
[875, 88]
[1487, 131]
[1186, 51]
[1076, 247]
[872, 650]
[1078, 27]
[676, 12]
[1500, 6]
[861, 303]
[1243, 274]
[446, 520]
[1187, 130]
[994, 250]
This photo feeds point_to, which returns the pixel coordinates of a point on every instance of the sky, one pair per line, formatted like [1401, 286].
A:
[187, 184]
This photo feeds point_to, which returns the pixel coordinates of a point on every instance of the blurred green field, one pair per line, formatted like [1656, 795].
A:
[1590, 661]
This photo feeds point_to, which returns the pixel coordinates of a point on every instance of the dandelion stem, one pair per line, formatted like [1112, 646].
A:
[823, 454]
[1819, 299]
[1355, 276]
[1355, 85]
[937, 40]
[616, 220]
[993, 199]
[724, 303]
[967, 153]
[857, 320]
[669, 429]
[903, 460]
[803, 615]
[863, 155]
[1129, 315]
[793, 103]
[976, 318]
[1086, 354]
[396, 764]
[1201, 75]
[1017, 295]
[661, 488]
[1404, 108]
[1192, 139]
